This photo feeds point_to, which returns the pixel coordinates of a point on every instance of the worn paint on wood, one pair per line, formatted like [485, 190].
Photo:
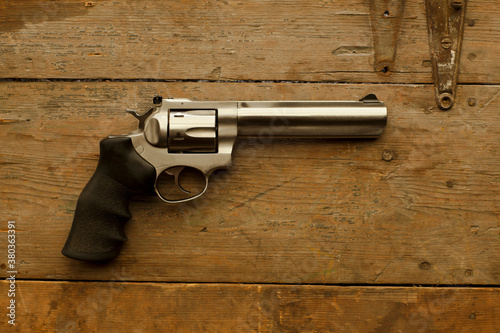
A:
[157, 307]
[306, 40]
[289, 211]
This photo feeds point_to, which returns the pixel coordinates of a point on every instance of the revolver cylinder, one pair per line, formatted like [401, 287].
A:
[192, 131]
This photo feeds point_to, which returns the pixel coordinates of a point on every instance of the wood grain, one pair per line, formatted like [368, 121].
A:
[300, 235]
[289, 211]
[156, 307]
[307, 40]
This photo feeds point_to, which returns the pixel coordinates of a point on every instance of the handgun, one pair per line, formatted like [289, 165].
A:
[186, 141]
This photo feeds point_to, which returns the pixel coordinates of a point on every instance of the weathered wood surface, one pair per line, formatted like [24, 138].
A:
[290, 211]
[156, 307]
[306, 40]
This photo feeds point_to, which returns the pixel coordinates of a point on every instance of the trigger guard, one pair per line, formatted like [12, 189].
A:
[180, 187]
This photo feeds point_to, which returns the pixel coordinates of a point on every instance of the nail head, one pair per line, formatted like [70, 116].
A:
[387, 155]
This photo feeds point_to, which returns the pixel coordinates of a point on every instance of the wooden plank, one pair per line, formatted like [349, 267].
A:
[152, 307]
[290, 211]
[305, 40]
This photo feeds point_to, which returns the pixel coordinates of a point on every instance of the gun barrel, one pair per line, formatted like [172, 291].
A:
[318, 119]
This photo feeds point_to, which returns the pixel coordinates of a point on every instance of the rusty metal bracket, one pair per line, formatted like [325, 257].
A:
[386, 17]
[445, 20]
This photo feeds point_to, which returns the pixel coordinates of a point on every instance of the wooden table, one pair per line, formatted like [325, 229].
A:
[399, 234]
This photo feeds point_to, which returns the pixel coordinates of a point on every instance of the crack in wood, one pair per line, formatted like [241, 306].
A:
[379, 275]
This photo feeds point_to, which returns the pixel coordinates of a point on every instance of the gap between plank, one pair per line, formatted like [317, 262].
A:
[230, 81]
[404, 285]
[202, 81]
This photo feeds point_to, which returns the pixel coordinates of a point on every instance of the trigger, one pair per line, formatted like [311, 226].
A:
[176, 171]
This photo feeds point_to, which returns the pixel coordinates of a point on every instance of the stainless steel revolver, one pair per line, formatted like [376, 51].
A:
[180, 136]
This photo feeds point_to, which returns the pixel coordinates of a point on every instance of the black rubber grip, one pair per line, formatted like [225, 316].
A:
[97, 233]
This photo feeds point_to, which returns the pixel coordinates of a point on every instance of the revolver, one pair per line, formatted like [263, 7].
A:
[178, 137]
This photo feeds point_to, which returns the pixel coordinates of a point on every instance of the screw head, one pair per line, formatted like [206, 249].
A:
[387, 155]
[157, 99]
[446, 43]
[471, 101]
[457, 4]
